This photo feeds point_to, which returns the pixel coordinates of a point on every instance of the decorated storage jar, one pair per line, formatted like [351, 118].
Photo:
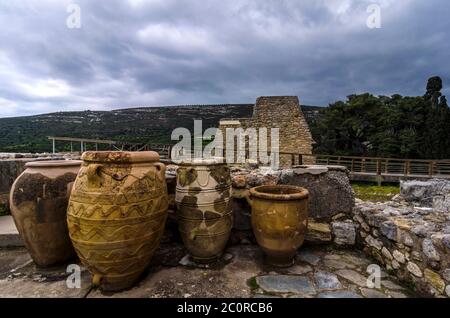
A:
[116, 215]
[205, 219]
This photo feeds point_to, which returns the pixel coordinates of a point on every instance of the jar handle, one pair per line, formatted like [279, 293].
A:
[249, 199]
[96, 280]
[93, 174]
[161, 170]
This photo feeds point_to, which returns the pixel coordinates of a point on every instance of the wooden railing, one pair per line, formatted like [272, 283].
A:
[388, 167]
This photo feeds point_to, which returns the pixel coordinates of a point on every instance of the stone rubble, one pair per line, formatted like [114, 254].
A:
[433, 193]
[410, 242]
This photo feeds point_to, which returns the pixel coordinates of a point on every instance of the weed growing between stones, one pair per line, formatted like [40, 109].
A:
[252, 283]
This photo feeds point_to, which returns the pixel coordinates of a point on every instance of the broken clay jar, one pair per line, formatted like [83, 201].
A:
[203, 197]
[279, 221]
[117, 213]
[39, 199]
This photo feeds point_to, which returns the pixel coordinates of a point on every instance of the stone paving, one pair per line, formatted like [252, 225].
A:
[318, 272]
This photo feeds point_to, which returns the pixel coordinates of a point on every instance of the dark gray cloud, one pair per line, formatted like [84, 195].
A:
[161, 52]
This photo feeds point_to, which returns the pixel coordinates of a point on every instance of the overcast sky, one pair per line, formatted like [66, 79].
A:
[165, 52]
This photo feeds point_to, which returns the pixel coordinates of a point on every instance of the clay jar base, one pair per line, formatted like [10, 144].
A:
[204, 261]
[110, 284]
[279, 261]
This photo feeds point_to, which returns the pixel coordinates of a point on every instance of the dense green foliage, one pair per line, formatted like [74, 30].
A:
[381, 126]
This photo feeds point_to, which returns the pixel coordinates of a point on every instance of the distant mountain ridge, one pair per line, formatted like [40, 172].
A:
[140, 124]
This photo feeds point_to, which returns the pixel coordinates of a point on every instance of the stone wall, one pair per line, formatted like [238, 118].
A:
[411, 242]
[9, 170]
[281, 112]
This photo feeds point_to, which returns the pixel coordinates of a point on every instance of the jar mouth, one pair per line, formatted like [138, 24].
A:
[120, 156]
[279, 192]
[53, 163]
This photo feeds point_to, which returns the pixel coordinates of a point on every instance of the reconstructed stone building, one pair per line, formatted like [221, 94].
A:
[281, 112]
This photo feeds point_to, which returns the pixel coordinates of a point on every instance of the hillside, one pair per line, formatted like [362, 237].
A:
[145, 124]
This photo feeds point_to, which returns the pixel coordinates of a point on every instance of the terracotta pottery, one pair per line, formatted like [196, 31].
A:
[280, 221]
[39, 198]
[204, 213]
[116, 215]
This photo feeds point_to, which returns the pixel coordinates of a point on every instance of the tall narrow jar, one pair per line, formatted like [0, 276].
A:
[204, 210]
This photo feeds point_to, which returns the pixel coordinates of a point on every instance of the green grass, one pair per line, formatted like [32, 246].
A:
[373, 192]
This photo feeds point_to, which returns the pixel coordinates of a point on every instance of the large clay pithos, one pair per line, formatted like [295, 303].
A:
[204, 213]
[117, 213]
[39, 199]
[280, 221]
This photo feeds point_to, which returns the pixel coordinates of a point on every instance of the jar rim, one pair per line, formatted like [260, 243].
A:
[279, 192]
[53, 163]
[120, 156]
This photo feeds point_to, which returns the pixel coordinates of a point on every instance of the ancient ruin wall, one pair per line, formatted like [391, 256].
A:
[284, 112]
[281, 112]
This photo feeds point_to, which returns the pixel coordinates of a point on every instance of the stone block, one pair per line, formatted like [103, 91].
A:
[373, 242]
[435, 280]
[441, 203]
[414, 269]
[423, 192]
[430, 251]
[389, 230]
[318, 232]
[344, 232]
[329, 188]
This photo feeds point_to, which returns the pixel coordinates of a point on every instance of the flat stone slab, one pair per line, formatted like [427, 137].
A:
[29, 288]
[391, 285]
[9, 236]
[286, 284]
[326, 280]
[339, 294]
[312, 169]
[353, 276]
[299, 269]
[308, 257]
[372, 293]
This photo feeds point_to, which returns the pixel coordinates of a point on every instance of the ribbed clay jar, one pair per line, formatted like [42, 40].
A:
[39, 199]
[117, 213]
